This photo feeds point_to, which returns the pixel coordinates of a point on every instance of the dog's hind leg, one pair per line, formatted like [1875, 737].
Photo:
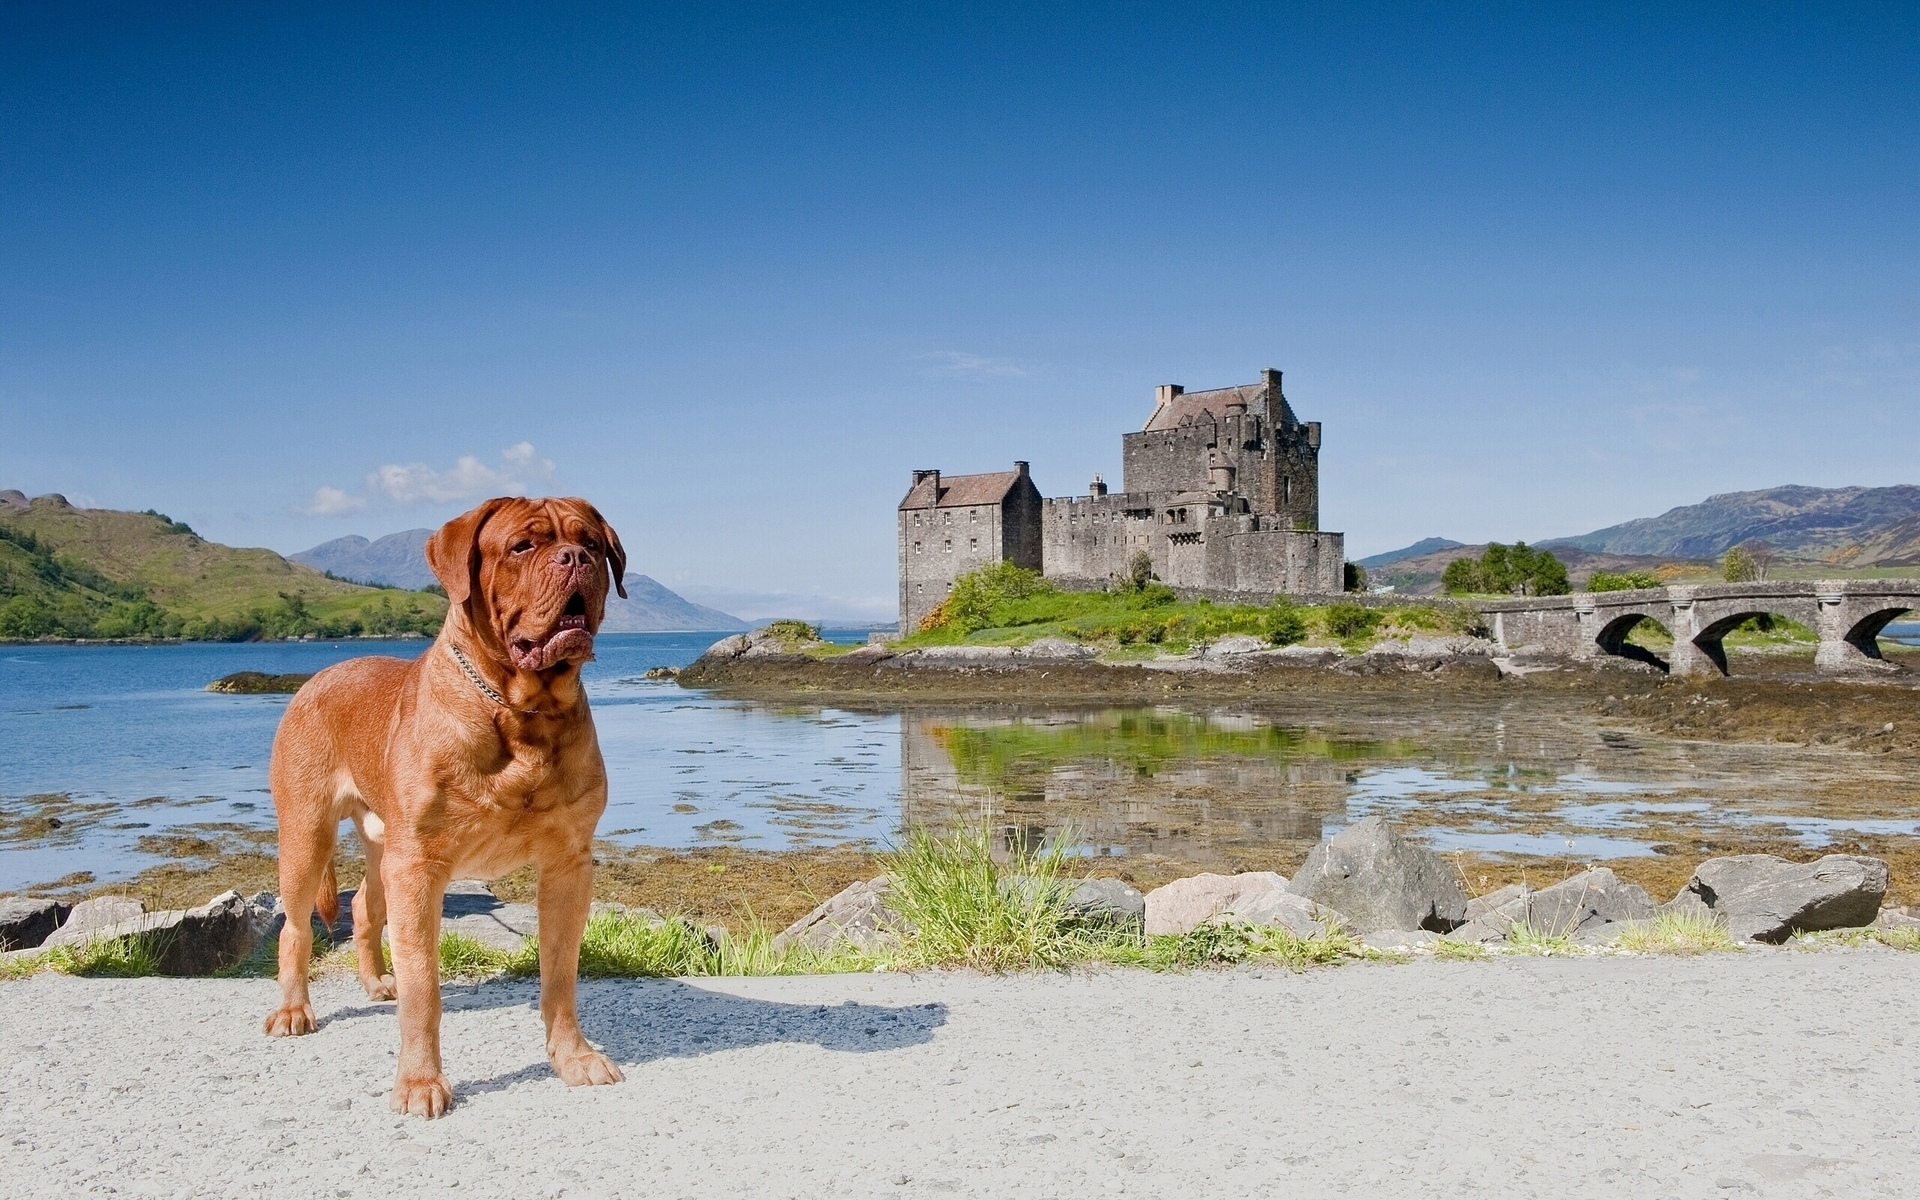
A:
[308, 824]
[370, 912]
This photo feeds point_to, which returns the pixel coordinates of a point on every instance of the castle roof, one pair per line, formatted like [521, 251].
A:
[961, 491]
[1210, 407]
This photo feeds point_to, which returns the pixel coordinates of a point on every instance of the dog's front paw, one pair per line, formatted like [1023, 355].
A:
[291, 1020]
[425, 1096]
[586, 1066]
[379, 987]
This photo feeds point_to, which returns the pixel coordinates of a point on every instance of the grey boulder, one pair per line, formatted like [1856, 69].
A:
[471, 909]
[857, 916]
[1897, 918]
[1382, 881]
[1106, 903]
[1400, 939]
[1185, 904]
[1764, 898]
[1279, 907]
[1056, 649]
[94, 914]
[1491, 918]
[193, 941]
[1579, 907]
[25, 921]
[1589, 907]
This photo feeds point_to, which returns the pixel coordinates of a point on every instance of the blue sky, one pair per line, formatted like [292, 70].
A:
[291, 272]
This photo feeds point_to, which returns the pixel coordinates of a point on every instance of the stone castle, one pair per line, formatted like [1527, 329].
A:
[1221, 490]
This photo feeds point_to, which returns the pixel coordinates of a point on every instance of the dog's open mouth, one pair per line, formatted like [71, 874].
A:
[568, 641]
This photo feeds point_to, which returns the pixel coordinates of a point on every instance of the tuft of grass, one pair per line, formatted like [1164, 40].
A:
[463, 957]
[1827, 939]
[963, 913]
[1904, 938]
[1677, 933]
[20, 968]
[1458, 949]
[110, 958]
[1525, 939]
[1230, 943]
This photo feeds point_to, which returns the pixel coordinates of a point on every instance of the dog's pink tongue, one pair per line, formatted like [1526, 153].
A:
[562, 646]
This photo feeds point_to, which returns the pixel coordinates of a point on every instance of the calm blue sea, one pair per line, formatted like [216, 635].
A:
[133, 730]
[134, 743]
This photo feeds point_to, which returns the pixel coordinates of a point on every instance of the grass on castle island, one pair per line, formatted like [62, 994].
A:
[1007, 606]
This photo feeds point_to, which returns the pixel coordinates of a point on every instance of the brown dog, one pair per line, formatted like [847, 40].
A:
[474, 759]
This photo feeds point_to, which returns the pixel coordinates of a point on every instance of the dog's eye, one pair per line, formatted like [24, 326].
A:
[522, 546]
[592, 546]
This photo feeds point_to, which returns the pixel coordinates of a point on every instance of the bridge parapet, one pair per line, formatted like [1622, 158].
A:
[1848, 614]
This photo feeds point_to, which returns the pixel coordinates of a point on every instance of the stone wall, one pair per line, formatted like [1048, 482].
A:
[937, 546]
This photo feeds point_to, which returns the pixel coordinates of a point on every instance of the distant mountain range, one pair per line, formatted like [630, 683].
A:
[1849, 527]
[652, 608]
[1430, 545]
[399, 560]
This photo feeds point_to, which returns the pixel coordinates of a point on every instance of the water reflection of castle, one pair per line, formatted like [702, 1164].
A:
[1217, 787]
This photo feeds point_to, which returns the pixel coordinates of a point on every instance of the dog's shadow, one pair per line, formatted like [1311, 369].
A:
[638, 1021]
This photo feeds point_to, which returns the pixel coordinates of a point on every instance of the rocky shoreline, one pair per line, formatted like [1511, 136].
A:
[1364, 890]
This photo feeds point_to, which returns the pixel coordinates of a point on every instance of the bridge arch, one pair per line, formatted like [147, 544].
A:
[1709, 641]
[1612, 638]
[1864, 634]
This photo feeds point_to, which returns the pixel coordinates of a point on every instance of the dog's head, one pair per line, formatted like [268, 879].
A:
[534, 573]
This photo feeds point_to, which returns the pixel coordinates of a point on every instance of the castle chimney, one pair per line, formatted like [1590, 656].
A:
[1313, 434]
[1164, 394]
[1020, 468]
[1271, 378]
[920, 477]
[1098, 487]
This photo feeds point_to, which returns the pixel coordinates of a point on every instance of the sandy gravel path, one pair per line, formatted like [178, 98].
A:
[1775, 1073]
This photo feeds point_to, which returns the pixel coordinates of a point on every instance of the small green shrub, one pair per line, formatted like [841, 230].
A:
[1348, 621]
[1628, 581]
[791, 632]
[1285, 626]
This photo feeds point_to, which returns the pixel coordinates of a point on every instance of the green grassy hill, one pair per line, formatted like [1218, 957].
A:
[100, 573]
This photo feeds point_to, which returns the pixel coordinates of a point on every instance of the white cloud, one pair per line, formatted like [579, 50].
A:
[330, 501]
[961, 363]
[519, 468]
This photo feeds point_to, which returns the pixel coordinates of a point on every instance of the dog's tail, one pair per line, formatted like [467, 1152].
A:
[328, 901]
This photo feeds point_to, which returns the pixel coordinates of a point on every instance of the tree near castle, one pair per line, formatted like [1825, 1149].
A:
[1503, 570]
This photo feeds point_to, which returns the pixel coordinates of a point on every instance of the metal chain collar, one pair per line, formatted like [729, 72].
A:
[486, 689]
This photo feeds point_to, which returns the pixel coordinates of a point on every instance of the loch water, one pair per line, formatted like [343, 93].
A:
[103, 746]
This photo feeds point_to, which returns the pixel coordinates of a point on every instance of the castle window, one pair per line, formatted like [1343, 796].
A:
[973, 543]
[916, 547]
[973, 514]
[949, 546]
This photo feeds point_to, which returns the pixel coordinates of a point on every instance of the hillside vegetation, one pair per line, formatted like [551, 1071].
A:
[1006, 605]
[102, 573]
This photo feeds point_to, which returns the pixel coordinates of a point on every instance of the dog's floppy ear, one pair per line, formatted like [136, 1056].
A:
[454, 550]
[616, 553]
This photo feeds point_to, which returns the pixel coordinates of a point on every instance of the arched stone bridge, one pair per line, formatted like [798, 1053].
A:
[1848, 615]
